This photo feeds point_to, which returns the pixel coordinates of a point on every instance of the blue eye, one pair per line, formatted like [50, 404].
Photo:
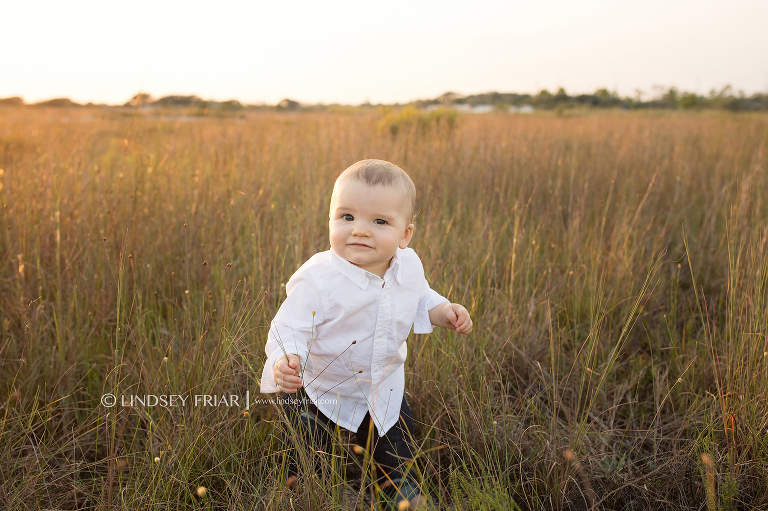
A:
[379, 221]
[348, 217]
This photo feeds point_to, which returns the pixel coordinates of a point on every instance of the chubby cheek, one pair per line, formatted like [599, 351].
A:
[337, 235]
[392, 239]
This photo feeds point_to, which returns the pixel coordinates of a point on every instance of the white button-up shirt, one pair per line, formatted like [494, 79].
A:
[353, 349]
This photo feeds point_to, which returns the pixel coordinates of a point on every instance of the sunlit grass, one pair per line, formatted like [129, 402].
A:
[615, 267]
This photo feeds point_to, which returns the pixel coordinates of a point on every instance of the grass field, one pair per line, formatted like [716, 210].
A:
[615, 266]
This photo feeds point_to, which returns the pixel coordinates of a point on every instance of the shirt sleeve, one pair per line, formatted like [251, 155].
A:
[293, 328]
[429, 300]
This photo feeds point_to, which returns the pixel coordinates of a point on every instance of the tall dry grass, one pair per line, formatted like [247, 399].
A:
[615, 267]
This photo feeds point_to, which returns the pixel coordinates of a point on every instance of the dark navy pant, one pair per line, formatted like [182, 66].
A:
[391, 452]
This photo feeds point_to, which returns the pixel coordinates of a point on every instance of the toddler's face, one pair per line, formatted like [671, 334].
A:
[367, 224]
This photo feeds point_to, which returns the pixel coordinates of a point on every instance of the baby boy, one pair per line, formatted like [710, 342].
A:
[339, 337]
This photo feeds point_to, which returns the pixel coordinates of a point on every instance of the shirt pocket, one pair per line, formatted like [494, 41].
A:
[404, 316]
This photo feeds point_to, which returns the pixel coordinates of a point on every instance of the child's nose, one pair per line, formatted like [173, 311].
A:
[361, 229]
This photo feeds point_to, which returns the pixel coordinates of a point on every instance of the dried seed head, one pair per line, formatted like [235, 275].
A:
[291, 482]
[165, 360]
[569, 455]
[358, 450]
[104, 239]
[246, 414]
[130, 256]
[360, 371]
[122, 464]
[201, 491]
[157, 459]
[707, 460]
[229, 265]
[185, 225]
[403, 505]
[354, 342]
[205, 263]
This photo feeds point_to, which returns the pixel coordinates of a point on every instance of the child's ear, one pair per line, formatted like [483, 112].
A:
[407, 235]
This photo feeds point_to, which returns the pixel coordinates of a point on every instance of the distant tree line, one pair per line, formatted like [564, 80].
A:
[139, 100]
[670, 98]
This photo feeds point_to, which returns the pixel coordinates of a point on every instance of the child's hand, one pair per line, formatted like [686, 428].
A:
[453, 316]
[286, 373]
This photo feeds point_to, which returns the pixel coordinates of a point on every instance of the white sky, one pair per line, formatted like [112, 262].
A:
[349, 52]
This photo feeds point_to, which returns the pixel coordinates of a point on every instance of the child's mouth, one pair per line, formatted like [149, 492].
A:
[358, 245]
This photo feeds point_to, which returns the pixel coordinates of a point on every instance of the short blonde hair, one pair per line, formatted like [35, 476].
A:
[383, 173]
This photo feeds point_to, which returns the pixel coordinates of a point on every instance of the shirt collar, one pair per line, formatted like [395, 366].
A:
[360, 276]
